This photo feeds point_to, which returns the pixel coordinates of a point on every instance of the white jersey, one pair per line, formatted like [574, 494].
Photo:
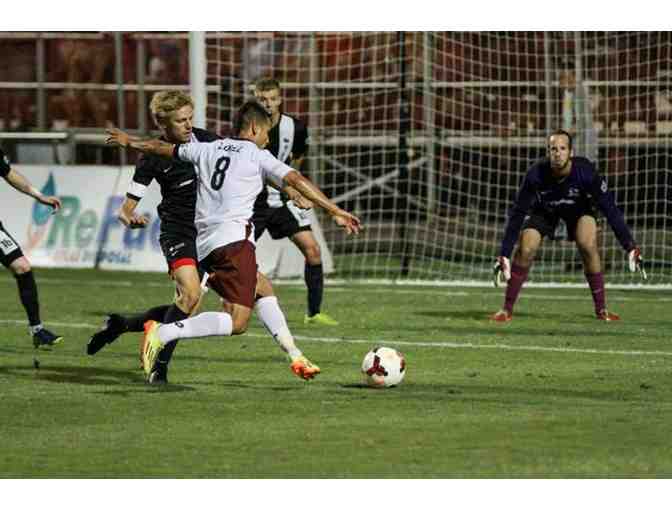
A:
[286, 133]
[231, 173]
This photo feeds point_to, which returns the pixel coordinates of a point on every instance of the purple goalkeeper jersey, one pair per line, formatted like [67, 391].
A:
[568, 199]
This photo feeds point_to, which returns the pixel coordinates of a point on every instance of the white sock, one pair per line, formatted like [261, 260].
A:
[269, 312]
[203, 324]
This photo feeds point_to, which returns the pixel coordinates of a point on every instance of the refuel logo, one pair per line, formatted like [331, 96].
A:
[76, 234]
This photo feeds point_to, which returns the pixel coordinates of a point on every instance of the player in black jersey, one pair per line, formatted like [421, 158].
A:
[288, 141]
[13, 258]
[567, 188]
[173, 115]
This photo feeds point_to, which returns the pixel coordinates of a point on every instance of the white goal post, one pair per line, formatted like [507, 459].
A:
[427, 135]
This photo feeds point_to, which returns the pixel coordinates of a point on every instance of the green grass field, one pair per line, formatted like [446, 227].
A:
[555, 393]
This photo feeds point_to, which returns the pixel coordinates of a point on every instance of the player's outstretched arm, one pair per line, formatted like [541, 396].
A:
[296, 197]
[342, 218]
[299, 200]
[20, 183]
[118, 138]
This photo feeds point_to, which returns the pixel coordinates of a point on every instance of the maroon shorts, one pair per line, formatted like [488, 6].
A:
[233, 272]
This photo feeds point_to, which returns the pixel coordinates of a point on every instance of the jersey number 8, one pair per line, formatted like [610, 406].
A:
[219, 174]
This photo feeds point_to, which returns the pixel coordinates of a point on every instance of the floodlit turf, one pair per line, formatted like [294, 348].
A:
[554, 393]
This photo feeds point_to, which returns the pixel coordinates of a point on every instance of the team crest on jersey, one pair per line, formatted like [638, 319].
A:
[573, 192]
[603, 186]
[6, 159]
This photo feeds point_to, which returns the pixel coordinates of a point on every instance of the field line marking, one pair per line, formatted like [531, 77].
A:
[489, 292]
[441, 344]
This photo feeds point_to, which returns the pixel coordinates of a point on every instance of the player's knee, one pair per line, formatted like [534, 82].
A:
[313, 254]
[189, 299]
[264, 287]
[239, 325]
[527, 253]
[588, 249]
[20, 266]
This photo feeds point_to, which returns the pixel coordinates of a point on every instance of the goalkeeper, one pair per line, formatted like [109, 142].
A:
[561, 187]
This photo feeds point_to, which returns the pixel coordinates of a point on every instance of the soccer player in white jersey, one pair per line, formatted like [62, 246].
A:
[276, 212]
[231, 173]
[172, 111]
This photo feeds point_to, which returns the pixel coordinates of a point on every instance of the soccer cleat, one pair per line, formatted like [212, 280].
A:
[114, 326]
[304, 369]
[606, 315]
[141, 346]
[321, 319]
[502, 316]
[158, 376]
[45, 338]
[153, 346]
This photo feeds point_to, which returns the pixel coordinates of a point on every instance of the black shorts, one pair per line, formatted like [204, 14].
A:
[547, 223]
[9, 248]
[281, 222]
[179, 250]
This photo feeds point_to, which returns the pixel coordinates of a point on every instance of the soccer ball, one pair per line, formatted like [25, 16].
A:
[383, 367]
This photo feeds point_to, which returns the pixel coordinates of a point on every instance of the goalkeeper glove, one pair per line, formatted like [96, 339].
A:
[502, 270]
[635, 262]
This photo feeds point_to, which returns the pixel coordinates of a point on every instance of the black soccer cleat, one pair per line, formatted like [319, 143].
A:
[45, 338]
[158, 376]
[114, 326]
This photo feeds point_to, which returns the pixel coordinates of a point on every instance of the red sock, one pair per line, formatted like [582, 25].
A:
[518, 277]
[596, 283]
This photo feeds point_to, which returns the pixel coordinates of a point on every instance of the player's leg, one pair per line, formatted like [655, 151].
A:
[528, 244]
[585, 236]
[313, 275]
[179, 249]
[269, 312]
[186, 279]
[116, 325]
[13, 259]
[233, 276]
[187, 300]
[233, 320]
[294, 223]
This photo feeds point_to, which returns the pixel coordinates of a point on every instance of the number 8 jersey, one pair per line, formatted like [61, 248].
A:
[231, 173]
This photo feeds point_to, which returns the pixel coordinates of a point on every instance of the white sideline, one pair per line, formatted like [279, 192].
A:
[382, 282]
[393, 343]
[431, 290]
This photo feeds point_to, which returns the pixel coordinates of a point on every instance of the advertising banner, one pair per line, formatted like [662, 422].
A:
[86, 232]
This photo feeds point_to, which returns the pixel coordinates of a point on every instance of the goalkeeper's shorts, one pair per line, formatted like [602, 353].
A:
[547, 223]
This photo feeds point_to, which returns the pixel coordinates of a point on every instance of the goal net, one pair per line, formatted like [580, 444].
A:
[426, 136]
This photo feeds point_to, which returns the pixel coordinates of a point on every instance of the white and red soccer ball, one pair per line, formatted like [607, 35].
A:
[383, 367]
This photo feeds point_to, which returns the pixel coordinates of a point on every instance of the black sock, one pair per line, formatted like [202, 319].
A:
[137, 322]
[173, 314]
[28, 295]
[315, 283]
